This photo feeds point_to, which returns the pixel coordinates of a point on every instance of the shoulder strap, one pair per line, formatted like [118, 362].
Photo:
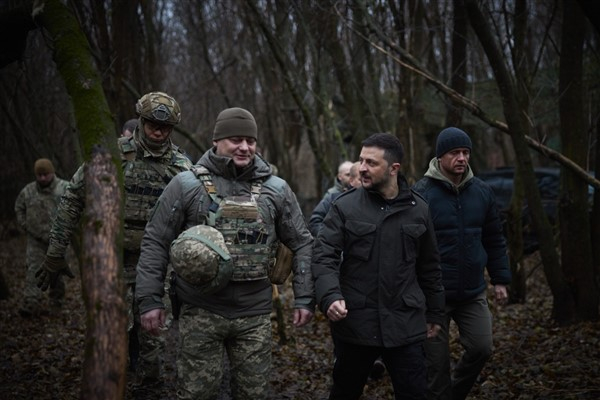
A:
[204, 175]
[127, 148]
[213, 246]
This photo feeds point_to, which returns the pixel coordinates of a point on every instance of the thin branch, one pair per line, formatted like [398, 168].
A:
[413, 65]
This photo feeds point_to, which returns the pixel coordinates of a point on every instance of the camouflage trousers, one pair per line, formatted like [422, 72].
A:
[151, 348]
[203, 339]
[33, 296]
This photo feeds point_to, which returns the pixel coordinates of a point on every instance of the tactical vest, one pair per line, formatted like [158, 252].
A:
[239, 221]
[144, 182]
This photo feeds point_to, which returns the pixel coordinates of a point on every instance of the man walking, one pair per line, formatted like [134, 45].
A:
[384, 296]
[234, 212]
[35, 208]
[469, 236]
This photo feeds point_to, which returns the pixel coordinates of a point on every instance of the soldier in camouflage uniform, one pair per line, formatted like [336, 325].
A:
[232, 189]
[35, 207]
[150, 160]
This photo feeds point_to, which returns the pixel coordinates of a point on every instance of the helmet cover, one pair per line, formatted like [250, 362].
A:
[159, 107]
[200, 257]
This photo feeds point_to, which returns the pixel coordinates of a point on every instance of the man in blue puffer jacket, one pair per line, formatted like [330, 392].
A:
[469, 237]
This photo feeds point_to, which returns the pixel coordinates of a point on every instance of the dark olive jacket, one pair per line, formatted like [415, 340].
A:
[389, 275]
[185, 203]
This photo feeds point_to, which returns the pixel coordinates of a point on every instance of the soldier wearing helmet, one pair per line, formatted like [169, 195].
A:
[150, 160]
[233, 191]
[158, 113]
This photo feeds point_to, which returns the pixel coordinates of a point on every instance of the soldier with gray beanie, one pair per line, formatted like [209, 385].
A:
[226, 301]
[470, 240]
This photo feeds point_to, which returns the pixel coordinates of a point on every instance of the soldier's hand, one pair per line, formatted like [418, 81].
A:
[50, 271]
[153, 321]
[302, 317]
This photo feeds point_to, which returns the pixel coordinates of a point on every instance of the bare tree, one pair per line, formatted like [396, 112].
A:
[516, 119]
[576, 247]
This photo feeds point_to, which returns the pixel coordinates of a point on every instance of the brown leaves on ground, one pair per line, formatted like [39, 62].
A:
[42, 357]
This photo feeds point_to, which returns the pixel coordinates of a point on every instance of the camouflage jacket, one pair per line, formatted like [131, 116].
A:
[133, 158]
[35, 207]
[185, 203]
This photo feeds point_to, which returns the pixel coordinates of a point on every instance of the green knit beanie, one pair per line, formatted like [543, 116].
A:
[235, 122]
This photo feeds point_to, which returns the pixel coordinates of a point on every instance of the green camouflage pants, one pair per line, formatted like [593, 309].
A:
[204, 336]
[151, 348]
[33, 296]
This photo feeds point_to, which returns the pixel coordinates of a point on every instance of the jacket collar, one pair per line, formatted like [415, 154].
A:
[405, 195]
[435, 172]
[224, 166]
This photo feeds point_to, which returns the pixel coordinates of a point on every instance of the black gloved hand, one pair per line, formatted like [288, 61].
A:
[50, 270]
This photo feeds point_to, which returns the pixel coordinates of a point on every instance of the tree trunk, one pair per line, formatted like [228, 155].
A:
[103, 376]
[514, 229]
[105, 355]
[127, 44]
[522, 89]
[563, 305]
[284, 64]
[573, 206]
[4, 291]
[595, 223]
[454, 112]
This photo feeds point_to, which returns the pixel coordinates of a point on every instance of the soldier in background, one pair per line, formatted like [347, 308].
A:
[231, 189]
[35, 207]
[341, 179]
[129, 127]
[318, 215]
[150, 160]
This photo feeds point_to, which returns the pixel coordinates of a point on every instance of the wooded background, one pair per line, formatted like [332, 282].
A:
[521, 77]
[312, 73]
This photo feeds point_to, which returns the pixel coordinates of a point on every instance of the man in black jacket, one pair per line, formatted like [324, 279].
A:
[384, 296]
[469, 236]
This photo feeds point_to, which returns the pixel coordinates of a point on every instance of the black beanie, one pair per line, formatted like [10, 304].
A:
[451, 138]
[235, 122]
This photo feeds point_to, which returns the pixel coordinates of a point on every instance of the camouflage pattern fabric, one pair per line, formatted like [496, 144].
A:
[245, 232]
[200, 355]
[33, 295]
[145, 176]
[159, 107]
[199, 256]
[144, 180]
[35, 208]
[151, 348]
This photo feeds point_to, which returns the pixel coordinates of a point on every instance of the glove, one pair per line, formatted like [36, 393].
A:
[50, 271]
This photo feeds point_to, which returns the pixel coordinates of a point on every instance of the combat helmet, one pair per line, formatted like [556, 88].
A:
[200, 257]
[158, 107]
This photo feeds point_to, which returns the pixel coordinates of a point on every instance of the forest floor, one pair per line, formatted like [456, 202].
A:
[42, 357]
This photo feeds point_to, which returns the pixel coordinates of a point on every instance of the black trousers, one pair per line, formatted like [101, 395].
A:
[405, 365]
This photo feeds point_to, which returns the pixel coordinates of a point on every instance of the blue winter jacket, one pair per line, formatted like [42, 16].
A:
[469, 233]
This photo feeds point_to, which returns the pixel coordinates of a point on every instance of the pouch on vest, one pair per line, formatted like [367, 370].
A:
[281, 268]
